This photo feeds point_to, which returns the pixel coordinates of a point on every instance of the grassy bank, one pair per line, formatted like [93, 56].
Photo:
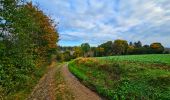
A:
[126, 77]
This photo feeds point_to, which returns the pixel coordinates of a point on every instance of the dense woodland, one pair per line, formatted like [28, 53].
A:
[110, 48]
[28, 40]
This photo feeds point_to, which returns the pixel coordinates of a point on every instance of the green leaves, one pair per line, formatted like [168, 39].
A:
[22, 46]
[85, 48]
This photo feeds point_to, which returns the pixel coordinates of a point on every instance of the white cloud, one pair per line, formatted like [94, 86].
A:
[96, 21]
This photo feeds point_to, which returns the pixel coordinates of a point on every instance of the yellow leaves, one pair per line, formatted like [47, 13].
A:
[100, 49]
[45, 36]
[131, 47]
[86, 60]
[156, 45]
[77, 52]
[52, 46]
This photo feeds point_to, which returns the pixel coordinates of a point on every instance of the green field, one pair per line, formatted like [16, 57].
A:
[153, 58]
[135, 77]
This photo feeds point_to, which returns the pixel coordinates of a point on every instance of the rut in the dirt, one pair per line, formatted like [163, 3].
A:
[45, 88]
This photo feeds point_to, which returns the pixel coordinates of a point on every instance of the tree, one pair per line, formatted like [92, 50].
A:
[77, 52]
[157, 47]
[130, 49]
[166, 52]
[85, 48]
[130, 44]
[107, 48]
[146, 46]
[16, 59]
[120, 47]
[67, 56]
[99, 51]
[26, 36]
[45, 35]
[138, 44]
[94, 50]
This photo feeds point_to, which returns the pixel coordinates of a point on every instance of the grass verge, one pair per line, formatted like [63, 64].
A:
[62, 91]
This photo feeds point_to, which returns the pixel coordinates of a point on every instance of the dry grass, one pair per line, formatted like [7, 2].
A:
[62, 90]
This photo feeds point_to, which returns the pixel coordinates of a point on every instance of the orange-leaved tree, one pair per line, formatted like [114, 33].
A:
[45, 37]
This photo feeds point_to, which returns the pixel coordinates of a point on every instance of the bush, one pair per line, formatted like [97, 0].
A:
[166, 52]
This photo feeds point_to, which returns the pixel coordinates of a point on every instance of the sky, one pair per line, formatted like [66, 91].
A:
[98, 21]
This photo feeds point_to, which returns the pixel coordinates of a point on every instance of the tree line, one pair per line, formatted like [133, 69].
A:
[28, 40]
[109, 48]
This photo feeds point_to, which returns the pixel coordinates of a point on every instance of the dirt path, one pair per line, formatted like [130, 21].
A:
[79, 91]
[58, 83]
[45, 89]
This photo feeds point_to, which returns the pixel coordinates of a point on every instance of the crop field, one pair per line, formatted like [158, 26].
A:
[134, 77]
[152, 58]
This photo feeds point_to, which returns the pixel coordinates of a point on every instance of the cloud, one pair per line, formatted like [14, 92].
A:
[97, 21]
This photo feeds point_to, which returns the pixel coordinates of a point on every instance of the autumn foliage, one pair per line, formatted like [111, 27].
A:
[28, 39]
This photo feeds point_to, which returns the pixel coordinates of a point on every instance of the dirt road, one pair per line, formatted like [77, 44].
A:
[44, 90]
[57, 80]
[79, 91]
